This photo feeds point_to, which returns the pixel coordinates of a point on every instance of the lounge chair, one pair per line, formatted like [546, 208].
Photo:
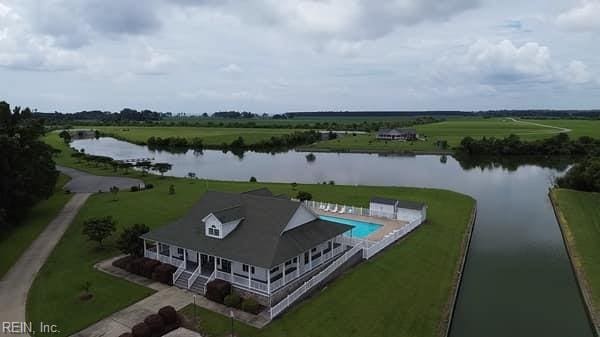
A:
[343, 210]
[328, 208]
[335, 210]
[322, 207]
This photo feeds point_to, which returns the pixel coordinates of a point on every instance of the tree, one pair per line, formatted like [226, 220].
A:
[65, 135]
[310, 157]
[99, 229]
[129, 241]
[191, 175]
[27, 170]
[171, 189]
[253, 179]
[303, 196]
[114, 190]
[145, 166]
[294, 185]
[162, 168]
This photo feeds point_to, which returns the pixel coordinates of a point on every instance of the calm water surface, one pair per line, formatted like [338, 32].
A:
[517, 281]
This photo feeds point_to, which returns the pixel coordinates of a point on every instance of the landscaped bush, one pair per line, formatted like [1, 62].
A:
[156, 324]
[123, 262]
[126, 334]
[164, 273]
[135, 266]
[217, 290]
[170, 317]
[232, 300]
[141, 330]
[148, 267]
[148, 186]
[250, 305]
[134, 189]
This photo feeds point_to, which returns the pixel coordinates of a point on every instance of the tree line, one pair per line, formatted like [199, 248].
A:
[27, 170]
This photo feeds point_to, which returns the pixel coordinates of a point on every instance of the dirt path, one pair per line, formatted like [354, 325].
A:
[14, 287]
[559, 129]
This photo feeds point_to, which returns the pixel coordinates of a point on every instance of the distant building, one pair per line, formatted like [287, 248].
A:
[397, 134]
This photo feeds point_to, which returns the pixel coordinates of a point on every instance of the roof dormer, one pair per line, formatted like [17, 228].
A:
[220, 223]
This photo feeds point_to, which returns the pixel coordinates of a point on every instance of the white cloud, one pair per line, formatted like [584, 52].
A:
[585, 17]
[231, 68]
[504, 63]
[22, 49]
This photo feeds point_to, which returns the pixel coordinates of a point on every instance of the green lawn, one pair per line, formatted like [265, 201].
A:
[16, 241]
[210, 136]
[455, 129]
[405, 291]
[580, 218]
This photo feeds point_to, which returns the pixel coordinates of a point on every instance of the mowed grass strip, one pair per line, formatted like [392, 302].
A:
[581, 217]
[209, 135]
[14, 242]
[402, 292]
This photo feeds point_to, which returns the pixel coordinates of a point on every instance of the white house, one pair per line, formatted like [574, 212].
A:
[262, 244]
[397, 209]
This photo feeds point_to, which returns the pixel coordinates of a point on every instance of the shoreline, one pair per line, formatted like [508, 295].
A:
[466, 244]
[582, 283]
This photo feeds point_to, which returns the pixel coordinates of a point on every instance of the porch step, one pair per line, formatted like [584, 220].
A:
[181, 282]
[199, 285]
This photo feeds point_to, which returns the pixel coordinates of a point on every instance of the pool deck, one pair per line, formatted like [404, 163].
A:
[388, 225]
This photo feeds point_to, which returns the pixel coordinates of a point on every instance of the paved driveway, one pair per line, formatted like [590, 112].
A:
[83, 182]
[17, 281]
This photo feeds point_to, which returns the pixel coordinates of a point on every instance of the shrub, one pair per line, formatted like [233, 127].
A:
[141, 330]
[168, 314]
[303, 196]
[123, 262]
[149, 186]
[134, 189]
[156, 324]
[126, 334]
[135, 266]
[164, 273]
[129, 241]
[232, 300]
[217, 290]
[148, 267]
[250, 305]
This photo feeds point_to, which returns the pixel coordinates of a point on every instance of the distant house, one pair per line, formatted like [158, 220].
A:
[397, 209]
[397, 134]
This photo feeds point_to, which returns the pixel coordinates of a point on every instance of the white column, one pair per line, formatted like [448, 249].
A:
[269, 281]
[144, 248]
[310, 258]
[283, 271]
[249, 276]
[200, 263]
[297, 267]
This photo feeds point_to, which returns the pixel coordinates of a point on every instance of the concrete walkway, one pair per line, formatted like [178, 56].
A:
[83, 182]
[15, 285]
[387, 225]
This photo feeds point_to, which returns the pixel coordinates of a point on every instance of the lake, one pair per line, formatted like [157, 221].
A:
[517, 281]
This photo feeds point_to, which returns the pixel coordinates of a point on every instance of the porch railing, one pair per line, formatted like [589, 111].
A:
[178, 272]
[150, 254]
[312, 282]
[194, 277]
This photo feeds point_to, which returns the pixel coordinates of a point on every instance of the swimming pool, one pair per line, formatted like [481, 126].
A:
[361, 229]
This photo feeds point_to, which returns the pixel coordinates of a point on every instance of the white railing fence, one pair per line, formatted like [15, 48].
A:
[346, 209]
[308, 285]
[389, 238]
[194, 277]
[150, 254]
[178, 272]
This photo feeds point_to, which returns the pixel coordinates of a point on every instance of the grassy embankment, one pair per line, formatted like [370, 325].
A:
[211, 137]
[405, 291]
[579, 218]
[14, 242]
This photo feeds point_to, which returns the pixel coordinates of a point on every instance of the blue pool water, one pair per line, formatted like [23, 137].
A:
[361, 229]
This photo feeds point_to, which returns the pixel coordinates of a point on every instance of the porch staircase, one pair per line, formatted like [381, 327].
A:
[198, 286]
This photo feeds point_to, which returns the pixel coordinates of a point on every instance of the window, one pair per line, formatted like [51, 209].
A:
[288, 263]
[313, 250]
[295, 260]
[245, 267]
[274, 270]
[306, 258]
[164, 249]
[252, 269]
[213, 231]
[180, 253]
[218, 261]
[226, 266]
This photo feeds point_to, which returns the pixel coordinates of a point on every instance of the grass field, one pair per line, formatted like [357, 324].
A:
[210, 136]
[404, 291]
[579, 214]
[452, 131]
[16, 241]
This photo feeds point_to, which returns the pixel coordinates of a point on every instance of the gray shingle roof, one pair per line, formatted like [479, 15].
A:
[229, 214]
[257, 240]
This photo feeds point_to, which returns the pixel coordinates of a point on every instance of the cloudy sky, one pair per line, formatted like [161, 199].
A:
[273, 56]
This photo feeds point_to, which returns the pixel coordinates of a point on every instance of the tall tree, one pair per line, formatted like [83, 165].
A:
[27, 171]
